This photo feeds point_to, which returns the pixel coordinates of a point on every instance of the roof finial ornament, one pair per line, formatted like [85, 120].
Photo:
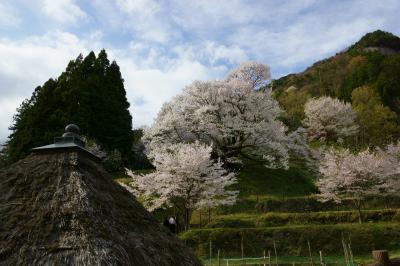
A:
[71, 135]
[71, 130]
[69, 140]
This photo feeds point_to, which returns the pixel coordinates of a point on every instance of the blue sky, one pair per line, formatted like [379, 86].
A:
[162, 46]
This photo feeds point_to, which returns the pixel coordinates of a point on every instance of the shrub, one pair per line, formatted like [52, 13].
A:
[292, 240]
[233, 221]
[113, 162]
[311, 204]
[281, 219]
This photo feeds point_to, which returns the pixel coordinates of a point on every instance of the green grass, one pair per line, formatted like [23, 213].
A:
[285, 191]
[312, 204]
[257, 181]
[297, 260]
[125, 179]
[292, 240]
[248, 220]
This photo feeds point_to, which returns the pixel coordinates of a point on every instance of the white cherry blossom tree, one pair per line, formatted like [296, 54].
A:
[346, 175]
[329, 119]
[250, 72]
[230, 114]
[185, 178]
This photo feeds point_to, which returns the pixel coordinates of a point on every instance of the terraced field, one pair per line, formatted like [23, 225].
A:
[268, 212]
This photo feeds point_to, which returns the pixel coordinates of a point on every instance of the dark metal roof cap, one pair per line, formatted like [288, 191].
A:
[70, 139]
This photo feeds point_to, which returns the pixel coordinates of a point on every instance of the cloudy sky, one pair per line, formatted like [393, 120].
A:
[161, 46]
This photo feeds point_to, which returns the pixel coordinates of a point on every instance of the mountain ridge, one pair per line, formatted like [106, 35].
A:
[373, 61]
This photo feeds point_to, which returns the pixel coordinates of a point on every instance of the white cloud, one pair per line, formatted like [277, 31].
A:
[8, 108]
[63, 11]
[172, 43]
[8, 17]
[142, 8]
[311, 35]
[148, 86]
[298, 43]
[30, 62]
[284, 34]
[148, 19]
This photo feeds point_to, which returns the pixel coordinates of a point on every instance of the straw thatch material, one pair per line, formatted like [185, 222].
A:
[64, 209]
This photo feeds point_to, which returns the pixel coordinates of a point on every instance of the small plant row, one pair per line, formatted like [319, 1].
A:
[312, 204]
[282, 219]
[305, 204]
[293, 240]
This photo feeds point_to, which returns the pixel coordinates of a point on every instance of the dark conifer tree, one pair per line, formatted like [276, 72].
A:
[90, 93]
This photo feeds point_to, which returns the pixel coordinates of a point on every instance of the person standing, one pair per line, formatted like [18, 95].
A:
[172, 224]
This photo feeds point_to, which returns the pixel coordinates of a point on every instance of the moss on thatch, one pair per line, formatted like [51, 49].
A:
[64, 209]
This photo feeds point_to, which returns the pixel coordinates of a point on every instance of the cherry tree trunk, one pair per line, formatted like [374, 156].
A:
[381, 256]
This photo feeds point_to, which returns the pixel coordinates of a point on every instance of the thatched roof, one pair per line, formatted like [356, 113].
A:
[64, 209]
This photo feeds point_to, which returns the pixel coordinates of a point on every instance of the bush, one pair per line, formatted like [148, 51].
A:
[292, 240]
[113, 162]
[311, 204]
[241, 205]
[281, 219]
[233, 221]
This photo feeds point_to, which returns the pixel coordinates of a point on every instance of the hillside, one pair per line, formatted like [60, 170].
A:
[373, 61]
[276, 208]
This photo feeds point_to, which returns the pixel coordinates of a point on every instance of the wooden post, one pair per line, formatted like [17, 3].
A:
[381, 256]
[219, 260]
[241, 245]
[276, 255]
[346, 256]
[210, 251]
[320, 258]
[269, 257]
[309, 252]
[200, 217]
[351, 252]
[264, 258]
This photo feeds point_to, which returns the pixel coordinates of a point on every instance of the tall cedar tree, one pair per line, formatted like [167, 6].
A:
[90, 93]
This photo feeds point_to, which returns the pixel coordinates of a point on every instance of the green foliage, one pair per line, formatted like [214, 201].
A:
[285, 219]
[368, 75]
[140, 159]
[3, 155]
[292, 240]
[378, 38]
[388, 82]
[255, 179]
[364, 73]
[312, 204]
[257, 183]
[293, 100]
[237, 220]
[113, 162]
[377, 123]
[90, 93]
[374, 61]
